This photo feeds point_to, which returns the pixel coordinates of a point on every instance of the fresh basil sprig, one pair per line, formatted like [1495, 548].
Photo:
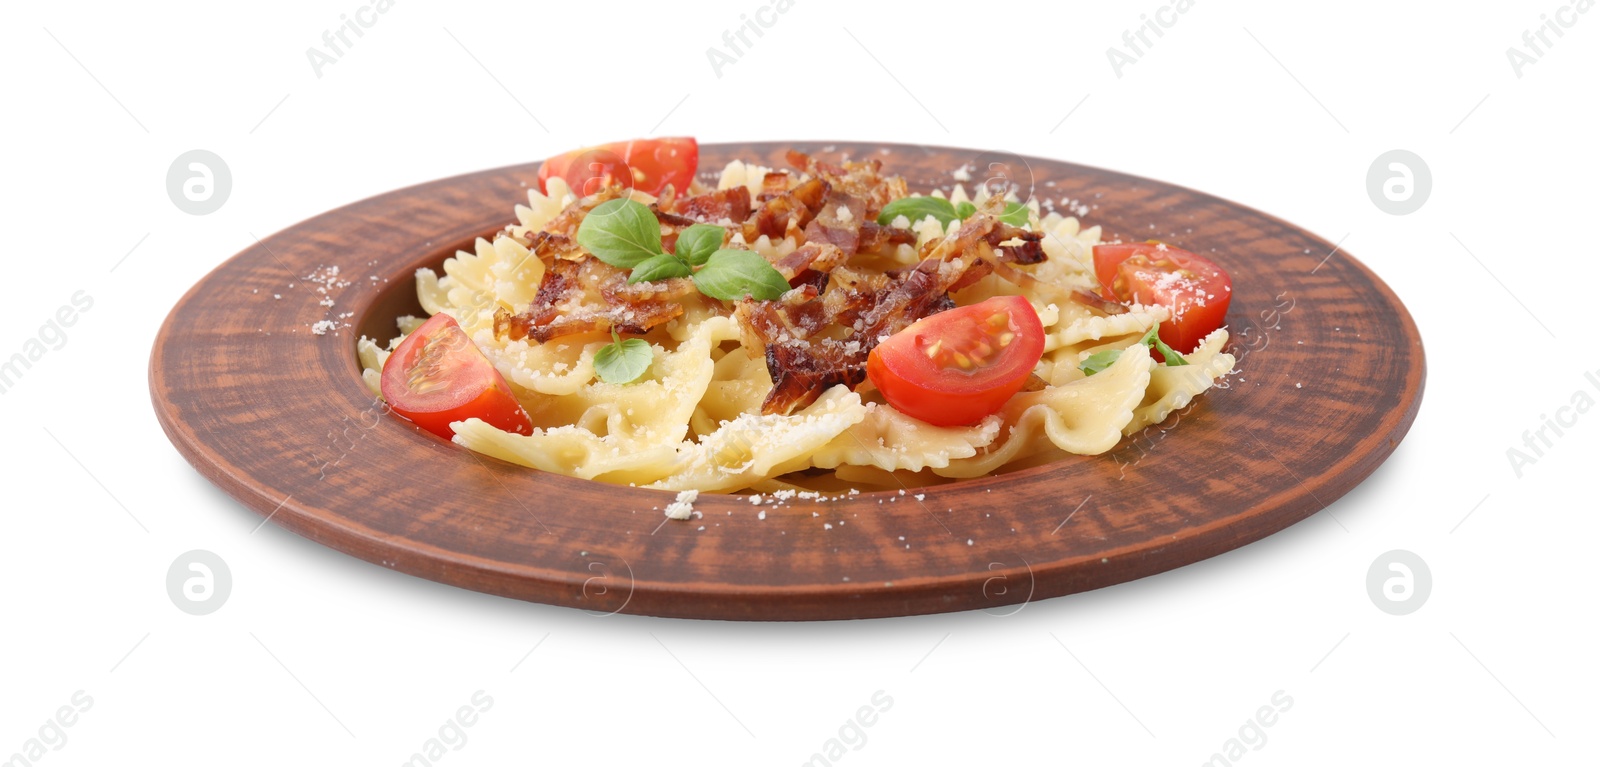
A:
[625, 234]
[621, 362]
[917, 208]
[1103, 359]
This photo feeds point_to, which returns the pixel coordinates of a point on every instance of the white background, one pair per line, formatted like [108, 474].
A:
[320, 658]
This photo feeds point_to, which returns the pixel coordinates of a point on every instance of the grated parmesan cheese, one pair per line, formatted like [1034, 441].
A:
[683, 506]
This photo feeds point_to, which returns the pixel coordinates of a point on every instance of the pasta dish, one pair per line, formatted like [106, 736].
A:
[815, 329]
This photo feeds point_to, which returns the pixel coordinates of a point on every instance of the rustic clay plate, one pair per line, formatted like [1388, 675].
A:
[1330, 378]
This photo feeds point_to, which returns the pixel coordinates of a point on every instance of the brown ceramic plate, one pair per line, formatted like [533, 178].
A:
[1330, 378]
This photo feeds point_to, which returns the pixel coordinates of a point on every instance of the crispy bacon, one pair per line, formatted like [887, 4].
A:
[773, 184]
[976, 272]
[923, 292]
[802, 367]
[791, 208]
[670, 219]
[838, 222]
[864, 180]
[1098, 302]
[1026, 251]
[566, 222]
[550, 247]
[850, 292]
[800, 374]
[635, 320]
[810, 279]
[563, 307]
[801, 370]
[730, 204]
[875, 236]
[815, 256]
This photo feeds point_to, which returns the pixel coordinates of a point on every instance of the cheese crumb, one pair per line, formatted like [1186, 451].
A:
[683, 506]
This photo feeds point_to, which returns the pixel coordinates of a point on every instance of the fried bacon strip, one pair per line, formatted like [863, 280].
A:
[802, 368]
[566, 222]
[564, 306]
[875, 236]
[864, 180]
[550, 247]
[816, 257]
[1098, 302]
[774, 183]
[710, 208]
[800, 374]
[791, 208]
[839, 222]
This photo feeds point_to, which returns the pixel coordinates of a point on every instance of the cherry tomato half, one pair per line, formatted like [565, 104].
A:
[646, 164]
[1194, 289]
[437, 377]
[957, 366]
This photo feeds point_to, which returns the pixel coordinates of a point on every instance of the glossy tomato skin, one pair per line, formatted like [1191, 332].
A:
[1193, 288]
[647, 165]
[437, 377]
[958, 366]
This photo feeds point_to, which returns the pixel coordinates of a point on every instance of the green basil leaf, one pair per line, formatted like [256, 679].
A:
[1103, 359]
[621, 362]
[1099, 361]
[731, 274]
[1016, 214]
[917, 208]
[659, 267]
[621, 233]
[1168, 355]
[698, 242]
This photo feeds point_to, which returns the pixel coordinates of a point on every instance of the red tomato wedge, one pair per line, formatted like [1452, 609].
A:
[1193, 288]
[645, 164]
[957, 366]
[437, 377]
